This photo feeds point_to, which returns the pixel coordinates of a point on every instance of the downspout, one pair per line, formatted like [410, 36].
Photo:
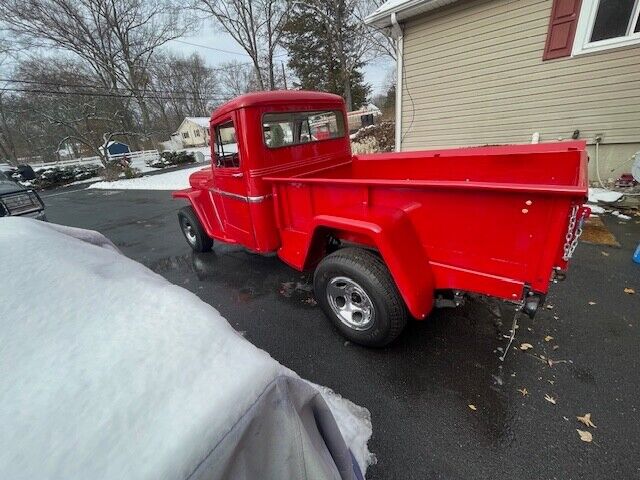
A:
[398, 35]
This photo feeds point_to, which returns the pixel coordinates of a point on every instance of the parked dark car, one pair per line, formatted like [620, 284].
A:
[18, 200]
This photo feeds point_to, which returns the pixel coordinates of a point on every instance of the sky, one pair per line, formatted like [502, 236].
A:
[208, 37]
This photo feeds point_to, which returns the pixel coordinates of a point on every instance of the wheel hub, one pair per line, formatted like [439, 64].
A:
[350, 303]
[189, 232]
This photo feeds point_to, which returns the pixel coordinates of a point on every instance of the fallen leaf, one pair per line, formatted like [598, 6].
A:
[556, 317]
[473, 407]
[548, 338]
[555, 347]
[549, 398]
[525, 346]
[524, 391]
[605, 254]
[586, 419]
[551, 381]
[549, 307]
[592, 303]
[630, 291]
[585, 436]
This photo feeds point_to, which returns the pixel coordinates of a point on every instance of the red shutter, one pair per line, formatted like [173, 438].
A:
[562, 28]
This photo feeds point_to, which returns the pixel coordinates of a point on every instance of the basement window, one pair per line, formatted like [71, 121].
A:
[606, 24]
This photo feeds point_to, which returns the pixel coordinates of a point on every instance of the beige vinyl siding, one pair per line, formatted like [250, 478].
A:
[474, 75]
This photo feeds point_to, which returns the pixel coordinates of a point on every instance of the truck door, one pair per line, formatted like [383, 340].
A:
[230, 185]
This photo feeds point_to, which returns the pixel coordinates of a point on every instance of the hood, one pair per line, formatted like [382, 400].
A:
[9, 186]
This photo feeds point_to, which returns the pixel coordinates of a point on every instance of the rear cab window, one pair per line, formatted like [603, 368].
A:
[295, 128]
[226, 146]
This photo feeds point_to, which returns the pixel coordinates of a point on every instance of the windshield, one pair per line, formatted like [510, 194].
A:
[3, 176]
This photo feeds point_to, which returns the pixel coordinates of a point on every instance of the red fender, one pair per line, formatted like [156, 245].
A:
[409, 265]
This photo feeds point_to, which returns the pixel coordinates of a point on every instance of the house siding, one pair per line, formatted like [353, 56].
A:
[474, 75]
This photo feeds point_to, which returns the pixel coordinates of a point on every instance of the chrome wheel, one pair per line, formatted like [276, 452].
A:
[350, 303]
[189, 232]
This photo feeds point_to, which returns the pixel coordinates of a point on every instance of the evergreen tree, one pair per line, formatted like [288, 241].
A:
[321, 60]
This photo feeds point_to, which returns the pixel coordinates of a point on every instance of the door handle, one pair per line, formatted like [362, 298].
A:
[237, 175]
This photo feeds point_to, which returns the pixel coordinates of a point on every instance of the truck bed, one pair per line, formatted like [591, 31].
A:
[554, 166]
[492, 220]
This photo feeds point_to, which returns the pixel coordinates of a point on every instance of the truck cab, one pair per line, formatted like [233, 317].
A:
[258, 135]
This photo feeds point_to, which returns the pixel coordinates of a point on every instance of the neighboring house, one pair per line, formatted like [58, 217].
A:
[194, 131]
[363, 117]
[115, 148]
[475, 72]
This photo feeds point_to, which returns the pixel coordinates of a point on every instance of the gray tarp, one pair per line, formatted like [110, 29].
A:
[109, 372]
[288, 433]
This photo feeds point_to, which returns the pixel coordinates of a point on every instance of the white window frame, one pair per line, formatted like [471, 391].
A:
[586, 20]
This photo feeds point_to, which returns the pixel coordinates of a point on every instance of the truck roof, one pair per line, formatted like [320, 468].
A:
[307, 100]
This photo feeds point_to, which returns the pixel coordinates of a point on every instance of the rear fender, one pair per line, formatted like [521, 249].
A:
[393, 235]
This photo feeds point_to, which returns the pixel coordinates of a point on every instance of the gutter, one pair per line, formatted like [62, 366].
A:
[398, 35]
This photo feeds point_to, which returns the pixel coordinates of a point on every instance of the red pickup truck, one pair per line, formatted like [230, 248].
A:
[389, 235]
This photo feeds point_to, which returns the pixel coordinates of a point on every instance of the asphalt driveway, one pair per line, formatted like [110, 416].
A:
[419, 390]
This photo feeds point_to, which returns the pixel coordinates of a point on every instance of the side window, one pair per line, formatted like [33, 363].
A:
[226, 146]
[294, 128]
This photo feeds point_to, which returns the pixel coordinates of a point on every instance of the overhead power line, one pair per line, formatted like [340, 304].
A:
[126, 93]
[99, 94]
[207, 47]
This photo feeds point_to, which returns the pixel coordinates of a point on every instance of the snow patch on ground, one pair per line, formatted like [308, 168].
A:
[602, 195]
[596, 209]
[163, 181]
[110, 371]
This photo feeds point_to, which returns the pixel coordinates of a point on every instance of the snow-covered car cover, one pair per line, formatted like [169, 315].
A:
[108, 371]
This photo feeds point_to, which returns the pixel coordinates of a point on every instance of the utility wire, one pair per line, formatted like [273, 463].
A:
[99, 94]
[221, 50]
[98, 87]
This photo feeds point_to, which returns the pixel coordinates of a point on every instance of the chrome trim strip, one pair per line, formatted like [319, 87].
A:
[242, 198]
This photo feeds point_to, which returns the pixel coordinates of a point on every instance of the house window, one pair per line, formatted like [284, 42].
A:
[185, 134]
[196, 133]
[606, 24]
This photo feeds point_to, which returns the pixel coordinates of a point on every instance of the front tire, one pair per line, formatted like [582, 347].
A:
[356, 291]
[193, 231]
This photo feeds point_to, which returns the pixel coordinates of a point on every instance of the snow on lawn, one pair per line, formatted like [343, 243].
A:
[107, 370]
[163, 181]
[602, 195]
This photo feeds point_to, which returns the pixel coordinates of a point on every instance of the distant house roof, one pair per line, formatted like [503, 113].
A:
[404, 9]
[200, 121]
[367, 108]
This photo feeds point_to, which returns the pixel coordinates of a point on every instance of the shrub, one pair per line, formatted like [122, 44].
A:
[381, 136]
[168, 159]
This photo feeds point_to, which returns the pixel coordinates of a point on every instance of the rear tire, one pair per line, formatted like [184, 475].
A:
[356, 291]
[193, 231]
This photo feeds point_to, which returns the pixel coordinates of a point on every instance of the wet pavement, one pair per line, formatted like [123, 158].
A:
[419, 390]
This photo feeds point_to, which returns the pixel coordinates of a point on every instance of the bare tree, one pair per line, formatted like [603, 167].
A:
[180, 87]
[382, 43]
[237, 78]
[73, 109]
[117, 38]
[257, 26]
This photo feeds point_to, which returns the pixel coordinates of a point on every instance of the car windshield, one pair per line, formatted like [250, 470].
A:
[3, 176]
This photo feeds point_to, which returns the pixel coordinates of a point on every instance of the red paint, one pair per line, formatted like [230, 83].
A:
[490, 220]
